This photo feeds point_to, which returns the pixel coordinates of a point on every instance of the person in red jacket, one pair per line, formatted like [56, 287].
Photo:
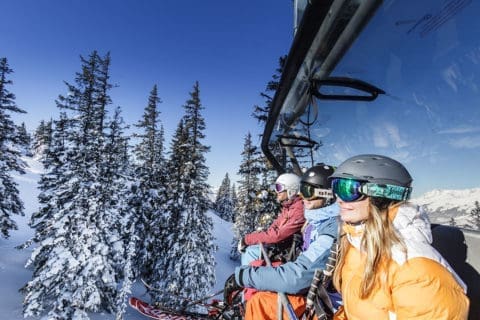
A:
[282, 230]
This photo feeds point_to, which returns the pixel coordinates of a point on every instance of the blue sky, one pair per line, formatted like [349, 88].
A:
[429, 117]
[230, 47]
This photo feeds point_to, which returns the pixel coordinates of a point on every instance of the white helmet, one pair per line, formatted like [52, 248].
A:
[288, 182]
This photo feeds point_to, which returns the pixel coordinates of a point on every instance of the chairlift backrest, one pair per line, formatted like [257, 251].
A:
[460, 248]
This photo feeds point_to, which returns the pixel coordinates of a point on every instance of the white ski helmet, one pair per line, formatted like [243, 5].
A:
[289, 182]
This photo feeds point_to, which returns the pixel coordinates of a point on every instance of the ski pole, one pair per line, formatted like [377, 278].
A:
[204, 298]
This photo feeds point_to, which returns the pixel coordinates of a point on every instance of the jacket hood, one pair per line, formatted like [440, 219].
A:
[412, 223]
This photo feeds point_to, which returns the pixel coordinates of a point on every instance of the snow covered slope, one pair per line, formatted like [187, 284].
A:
[13, 274]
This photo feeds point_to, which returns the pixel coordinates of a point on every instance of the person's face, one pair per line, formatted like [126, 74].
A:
[314, 203]
[282, 196]
[353, 212]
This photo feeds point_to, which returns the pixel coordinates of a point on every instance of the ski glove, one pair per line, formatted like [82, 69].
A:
[231, 289]
[242, 246]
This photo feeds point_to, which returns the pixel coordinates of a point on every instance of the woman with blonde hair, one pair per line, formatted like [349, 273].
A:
[387, 268]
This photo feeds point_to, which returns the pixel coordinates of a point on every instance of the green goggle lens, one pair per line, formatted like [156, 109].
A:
[347, 189]
[350, 190]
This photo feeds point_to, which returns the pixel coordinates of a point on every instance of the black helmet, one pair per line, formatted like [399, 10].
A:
[314, 183]
[375, 169]
[318, 176]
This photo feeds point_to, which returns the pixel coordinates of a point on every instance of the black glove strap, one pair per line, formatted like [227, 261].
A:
[240, 278]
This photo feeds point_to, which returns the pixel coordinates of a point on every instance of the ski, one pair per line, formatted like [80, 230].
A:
[216, 308]
[158, 313]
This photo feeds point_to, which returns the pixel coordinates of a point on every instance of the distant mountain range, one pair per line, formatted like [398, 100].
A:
[450, 206]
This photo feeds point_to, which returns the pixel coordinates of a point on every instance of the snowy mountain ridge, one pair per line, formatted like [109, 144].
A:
[442, 200]
[443, 206]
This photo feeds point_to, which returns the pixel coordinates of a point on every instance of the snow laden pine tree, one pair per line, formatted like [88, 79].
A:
[24, 140]
[148, 195]
[475, 215]
[261, 112]
[52, 182]
[73, 263]
[267, 203]
[10, 160]
[249, 185]
[188, 268]
[233, 193]
[224, 204]
[117, 179]
[41, 138]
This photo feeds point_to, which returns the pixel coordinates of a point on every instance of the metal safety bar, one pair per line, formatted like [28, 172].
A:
[282, 297]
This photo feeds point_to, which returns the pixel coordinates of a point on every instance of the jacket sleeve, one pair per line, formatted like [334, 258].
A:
[289, 221]
[423, 284]
[291, 277]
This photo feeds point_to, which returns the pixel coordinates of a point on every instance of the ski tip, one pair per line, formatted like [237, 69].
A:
[135, 302]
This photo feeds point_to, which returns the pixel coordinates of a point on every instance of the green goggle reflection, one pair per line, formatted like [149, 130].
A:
[350, 190]
[347, 189]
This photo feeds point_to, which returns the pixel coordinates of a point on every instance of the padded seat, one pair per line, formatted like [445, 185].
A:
[450, 242]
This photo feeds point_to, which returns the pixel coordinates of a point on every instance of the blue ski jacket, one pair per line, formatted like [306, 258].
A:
[295, 277]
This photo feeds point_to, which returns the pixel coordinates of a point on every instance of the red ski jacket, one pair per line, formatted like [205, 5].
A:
[289, 221]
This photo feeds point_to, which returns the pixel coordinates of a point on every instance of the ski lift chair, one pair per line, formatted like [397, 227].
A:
[458, 251]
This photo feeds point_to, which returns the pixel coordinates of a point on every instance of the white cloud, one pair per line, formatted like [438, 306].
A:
[451, 76]
[321, 132]
[379, 138]
[402, 156]
[430, 113]
[471, 142]
[388, 135]
[459, 74]
[460, 130]
[474, 56]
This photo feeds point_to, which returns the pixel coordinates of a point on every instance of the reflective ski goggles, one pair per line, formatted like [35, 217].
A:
[310, 192]
[350, 190]
[279, 187]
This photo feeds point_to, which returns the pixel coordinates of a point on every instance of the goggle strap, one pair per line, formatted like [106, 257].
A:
[386, 191]
[324, 193]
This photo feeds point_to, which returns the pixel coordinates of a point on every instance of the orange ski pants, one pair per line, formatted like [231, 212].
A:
[263, 305]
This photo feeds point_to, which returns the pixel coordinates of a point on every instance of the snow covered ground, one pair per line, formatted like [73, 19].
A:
[13, 274]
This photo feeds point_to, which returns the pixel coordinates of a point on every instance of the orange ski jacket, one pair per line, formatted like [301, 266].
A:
[420, 285]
